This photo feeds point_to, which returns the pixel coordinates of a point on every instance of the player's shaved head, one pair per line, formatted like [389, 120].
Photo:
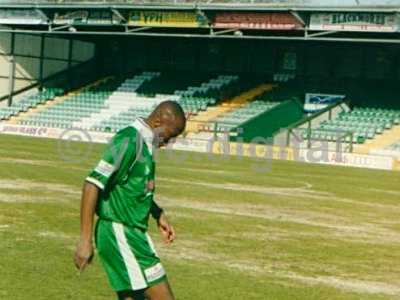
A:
[167, 120]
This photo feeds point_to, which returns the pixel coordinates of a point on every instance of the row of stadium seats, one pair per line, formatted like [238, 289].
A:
[29, 101]
[133, 84]
[259, 105]
[73, 108]
[193, 99]
[210, 88]
[144, 106]
[100, 107]
[362, 123]
[233, 119]
[115, 103]
[198, 98]
[121, 120]
[125, 100]
[169, 82]
[193, 105]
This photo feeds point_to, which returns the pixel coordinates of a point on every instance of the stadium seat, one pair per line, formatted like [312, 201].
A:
[75, 107]
[235, 118]
[29, 101]
[362, 123]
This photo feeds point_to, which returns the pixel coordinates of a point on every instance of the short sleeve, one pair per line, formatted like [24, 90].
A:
[110, 161]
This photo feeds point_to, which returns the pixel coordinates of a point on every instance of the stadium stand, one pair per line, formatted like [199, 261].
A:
[120, 100]
[141, 101]
[113, 104]
[382, 141]
[245, 92]
[234, 118]
[222, 103]
[29, 101]
[198, 98]
[363, 123]
[265, 125]
[169, 82]
[75, 106]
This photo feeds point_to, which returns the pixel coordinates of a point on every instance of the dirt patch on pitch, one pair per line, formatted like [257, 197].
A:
[55, 235]
[4, 227]
[26, 185]
[303, 191]
[352, 285]
[42, 163]
[196, 170]
[9, 198]
[26, 161]
[27, 191]
[389, 192]
[188, 250]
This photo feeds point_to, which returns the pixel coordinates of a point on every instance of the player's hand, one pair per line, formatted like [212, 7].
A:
[83, 255]
[167, 231]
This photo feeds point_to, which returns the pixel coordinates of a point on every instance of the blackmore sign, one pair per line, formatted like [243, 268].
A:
[355, 21]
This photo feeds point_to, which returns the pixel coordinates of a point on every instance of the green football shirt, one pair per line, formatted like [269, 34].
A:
[125, 175]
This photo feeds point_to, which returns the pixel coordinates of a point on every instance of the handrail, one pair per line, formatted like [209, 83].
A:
[340, 134]
[312, 117]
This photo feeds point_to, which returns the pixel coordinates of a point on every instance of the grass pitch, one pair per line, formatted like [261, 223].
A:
[247, 229]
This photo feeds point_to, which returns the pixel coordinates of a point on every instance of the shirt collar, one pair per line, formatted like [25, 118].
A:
[145, 131]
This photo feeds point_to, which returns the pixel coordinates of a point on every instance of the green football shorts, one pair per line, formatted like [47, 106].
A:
[128, 256]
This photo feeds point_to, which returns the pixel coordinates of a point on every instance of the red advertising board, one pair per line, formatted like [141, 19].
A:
[266, 21]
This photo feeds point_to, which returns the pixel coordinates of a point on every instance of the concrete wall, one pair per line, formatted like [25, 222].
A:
[38, 57]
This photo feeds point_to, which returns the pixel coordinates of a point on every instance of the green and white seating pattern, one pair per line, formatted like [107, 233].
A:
[198, 98]
[114, 105]
[29, 101]
[133, 84]
[74, 108]
[193, 100]
[210, 88]
[139, 106]
[363, 123]
[193, 105]
[122, 99]
[233, 119]
[122, 119]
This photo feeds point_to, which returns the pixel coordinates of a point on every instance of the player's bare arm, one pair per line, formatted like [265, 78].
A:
[167, 231]
[84, 251]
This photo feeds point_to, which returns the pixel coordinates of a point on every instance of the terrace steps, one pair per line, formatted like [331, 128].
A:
[387, 138]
